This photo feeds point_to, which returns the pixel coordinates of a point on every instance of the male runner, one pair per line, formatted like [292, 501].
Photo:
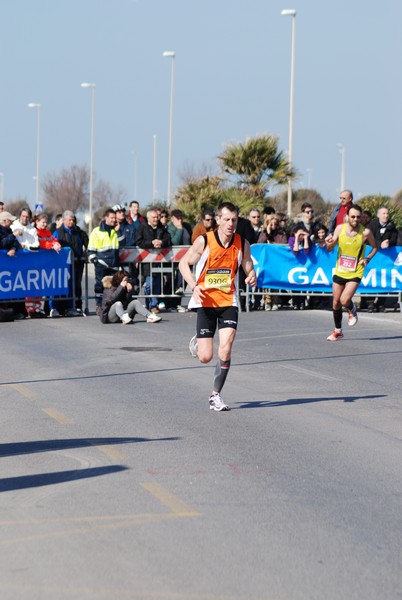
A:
[218, 255]
[351, 238]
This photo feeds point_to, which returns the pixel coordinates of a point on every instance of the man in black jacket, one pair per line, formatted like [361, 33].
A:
[71, 236]
[386, 235]
[152, 235]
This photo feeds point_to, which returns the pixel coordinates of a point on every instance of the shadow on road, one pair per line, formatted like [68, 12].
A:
[14, 448]
[296, 401]
[30, 481]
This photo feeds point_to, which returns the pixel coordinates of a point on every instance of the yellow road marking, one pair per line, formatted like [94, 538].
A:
[134, 520]
[170, 500]
[112, 453]
[58, 416]
[22, 389]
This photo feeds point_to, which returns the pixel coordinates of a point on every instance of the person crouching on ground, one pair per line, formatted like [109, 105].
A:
[118, 304]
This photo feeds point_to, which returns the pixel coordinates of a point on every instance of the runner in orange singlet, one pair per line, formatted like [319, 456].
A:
[217, 256]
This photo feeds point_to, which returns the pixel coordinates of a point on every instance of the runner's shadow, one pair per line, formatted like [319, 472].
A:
[31, 481]
[14, 448]
[296, 401]
[386, 337]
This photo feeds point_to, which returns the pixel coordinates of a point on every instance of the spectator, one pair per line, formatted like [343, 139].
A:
[299, 241]
[152, 235]
[384, 230]
[103, 251]
[164, 218]
[271, 234]
[267, 210]
[254, 216]
[340, 212]
[307, 218]
[386, 235]
[118, 304]
[33, 305]
[25, 231]
[366, 218]
[134, 216]
[46, 240]
[318, 301]
[124, 235]
[180, 235]
[8, 240]
[71, 236]
[1, 206]
[320, 233]
[58, 221]
[207, 224]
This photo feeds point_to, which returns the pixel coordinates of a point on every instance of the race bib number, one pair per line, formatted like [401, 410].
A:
[347, 263]
[218, 279]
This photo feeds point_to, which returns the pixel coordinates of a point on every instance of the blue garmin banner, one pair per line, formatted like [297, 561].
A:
[278, 268]
[41, 273]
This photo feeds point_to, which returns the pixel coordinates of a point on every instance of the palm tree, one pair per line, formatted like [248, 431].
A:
[256, 164]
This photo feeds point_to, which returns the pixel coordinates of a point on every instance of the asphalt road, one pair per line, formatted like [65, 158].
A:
[117, 481]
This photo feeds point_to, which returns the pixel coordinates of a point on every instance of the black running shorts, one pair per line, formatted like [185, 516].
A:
[342, 281]
[209, 318]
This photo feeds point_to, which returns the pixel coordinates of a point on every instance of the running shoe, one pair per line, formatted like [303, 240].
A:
[125, 318]
[335, 335]
[193, 347]
[153, 318]
[353, 318]
[216, 403]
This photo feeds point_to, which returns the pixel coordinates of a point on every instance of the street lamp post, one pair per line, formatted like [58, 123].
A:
[38, 107]
[290, 12]
[170, 54]
[154, 172]
[342, 152]
[2, 187]
[92, 86]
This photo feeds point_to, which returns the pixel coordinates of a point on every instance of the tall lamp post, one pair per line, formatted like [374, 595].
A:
[38, 107]
[290, 12]
[92, 86]
[342, 152]
[154, 171]
[1, 187]
[170, 54]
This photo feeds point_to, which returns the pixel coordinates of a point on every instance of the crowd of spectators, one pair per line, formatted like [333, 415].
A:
[121, 227]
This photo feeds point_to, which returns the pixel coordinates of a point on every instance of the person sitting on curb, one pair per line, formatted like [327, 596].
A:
[118, 304]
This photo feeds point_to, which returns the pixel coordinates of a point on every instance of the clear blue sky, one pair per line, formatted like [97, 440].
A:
[232, 76]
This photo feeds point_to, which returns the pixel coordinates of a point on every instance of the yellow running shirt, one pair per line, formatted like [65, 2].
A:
[350, 251]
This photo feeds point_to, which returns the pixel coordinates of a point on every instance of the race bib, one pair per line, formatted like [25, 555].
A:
[218, 279]
[347, 263]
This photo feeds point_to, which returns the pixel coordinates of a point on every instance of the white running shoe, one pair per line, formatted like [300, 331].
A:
[162, 306]
[54, 313]
[353, 318]
[216, 403]
[125, 318]
[153, 318]
[193, 347]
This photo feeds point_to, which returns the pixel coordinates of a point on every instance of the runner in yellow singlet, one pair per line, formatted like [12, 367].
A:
[351, 238]
[217, 256]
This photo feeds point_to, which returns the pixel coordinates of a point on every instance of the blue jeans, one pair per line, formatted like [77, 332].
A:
[156, 289]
